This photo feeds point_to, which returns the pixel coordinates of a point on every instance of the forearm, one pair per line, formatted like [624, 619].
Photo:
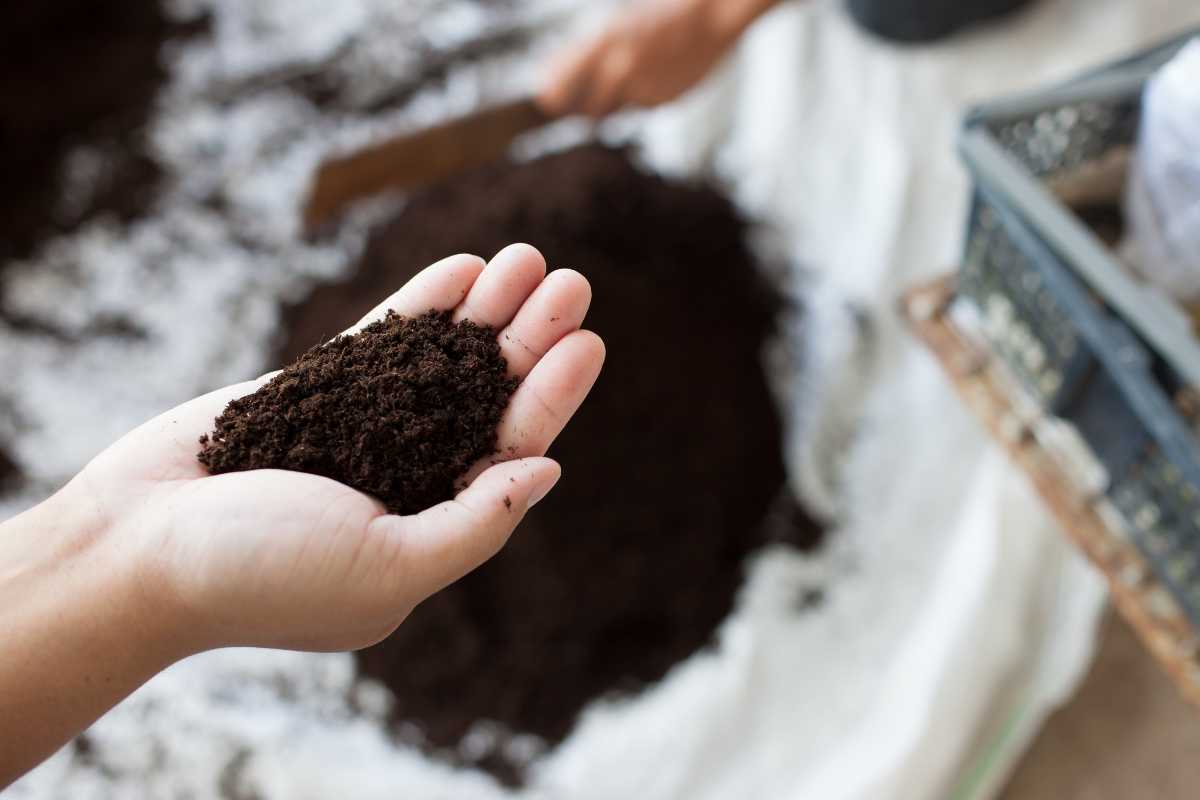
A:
[79, 631]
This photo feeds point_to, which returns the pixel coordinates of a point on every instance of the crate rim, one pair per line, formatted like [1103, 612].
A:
[1156, 318]
[1119, 78]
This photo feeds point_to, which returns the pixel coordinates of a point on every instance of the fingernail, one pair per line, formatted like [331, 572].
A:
[544, 488]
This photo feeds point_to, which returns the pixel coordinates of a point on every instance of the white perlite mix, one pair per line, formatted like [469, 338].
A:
[949, 608]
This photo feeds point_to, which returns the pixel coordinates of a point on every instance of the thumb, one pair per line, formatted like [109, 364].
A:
[441, 544]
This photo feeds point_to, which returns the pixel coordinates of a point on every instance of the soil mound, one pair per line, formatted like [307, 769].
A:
[669, 468]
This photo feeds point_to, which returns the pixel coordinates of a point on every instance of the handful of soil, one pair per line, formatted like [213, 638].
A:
[400, 410]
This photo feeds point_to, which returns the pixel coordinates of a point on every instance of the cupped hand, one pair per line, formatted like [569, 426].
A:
[287, 559]
[649, 55]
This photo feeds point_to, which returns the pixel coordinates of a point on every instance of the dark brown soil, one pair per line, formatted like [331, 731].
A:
[630, 564]
[74, 72]
[11, 476]
[400, 410]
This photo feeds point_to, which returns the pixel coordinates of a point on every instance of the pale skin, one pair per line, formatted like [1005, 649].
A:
[144, 559]
[648, 55]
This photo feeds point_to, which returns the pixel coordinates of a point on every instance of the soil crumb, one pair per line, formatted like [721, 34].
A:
[669, 469]
[399, 410]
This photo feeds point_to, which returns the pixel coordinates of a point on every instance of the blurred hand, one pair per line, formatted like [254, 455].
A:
[649, 55]
[286, 559]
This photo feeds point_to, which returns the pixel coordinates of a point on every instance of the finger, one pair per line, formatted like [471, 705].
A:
[607, 89]
[440, 286]
[555, 308]
[503, 286]
[546, 399]
[569, 79]
[439, 545]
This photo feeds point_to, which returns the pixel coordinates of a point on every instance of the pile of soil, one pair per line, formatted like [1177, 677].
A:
[400, 410]
[74, 72]
[631, 563]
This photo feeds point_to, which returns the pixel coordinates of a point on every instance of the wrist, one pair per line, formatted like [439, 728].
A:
[80, 631]
[96, 565]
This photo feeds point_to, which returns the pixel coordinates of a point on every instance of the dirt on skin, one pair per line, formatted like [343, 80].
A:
[399, 410]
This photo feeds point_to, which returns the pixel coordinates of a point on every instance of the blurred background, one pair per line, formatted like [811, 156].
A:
[814, 577]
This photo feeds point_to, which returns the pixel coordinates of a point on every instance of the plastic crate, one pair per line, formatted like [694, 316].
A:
[1091, 344]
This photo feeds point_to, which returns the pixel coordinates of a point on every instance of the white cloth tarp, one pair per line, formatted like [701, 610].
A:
[976, 617]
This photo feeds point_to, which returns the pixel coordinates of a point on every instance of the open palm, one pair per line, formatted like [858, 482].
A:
[287, 559]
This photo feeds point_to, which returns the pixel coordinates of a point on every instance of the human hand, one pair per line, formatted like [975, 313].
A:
[287, 559]
[649, 55]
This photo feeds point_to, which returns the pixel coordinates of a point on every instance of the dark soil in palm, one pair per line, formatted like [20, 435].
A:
[399, 410]
[631, 563]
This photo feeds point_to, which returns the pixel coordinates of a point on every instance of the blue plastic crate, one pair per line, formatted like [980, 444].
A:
[1090, 343]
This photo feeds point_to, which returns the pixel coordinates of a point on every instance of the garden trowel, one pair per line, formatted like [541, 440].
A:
[417, 158]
